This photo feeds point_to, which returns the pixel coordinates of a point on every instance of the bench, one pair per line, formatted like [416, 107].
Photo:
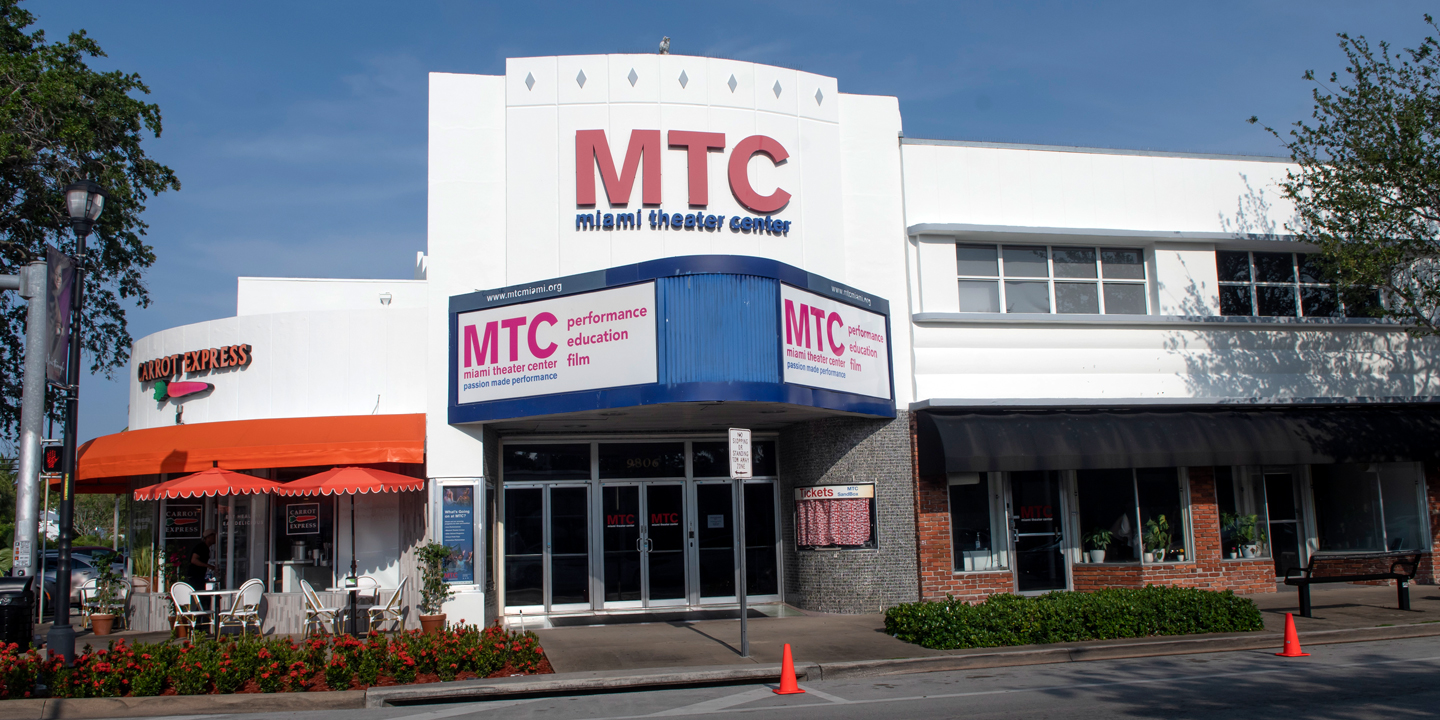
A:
[1397, 573]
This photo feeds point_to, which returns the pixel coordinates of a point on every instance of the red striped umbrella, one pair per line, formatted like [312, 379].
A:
[351, 481]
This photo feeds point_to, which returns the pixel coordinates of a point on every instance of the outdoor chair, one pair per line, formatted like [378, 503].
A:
[120, 606]
[245, 611]
[187, 611]
[318, 615]
[390, 610]
[86, 596]
[367, 588]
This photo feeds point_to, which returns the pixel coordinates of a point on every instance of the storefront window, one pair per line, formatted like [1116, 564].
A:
[1026, 278]
[1283, 285]
[642, 460]
[835, 517]
[304, 533]
[975, 541]
[712, 459]
[1244, 519]
[1361, 508]
[762, 576]
[1133, 514]
[547, 462]
[524, 546]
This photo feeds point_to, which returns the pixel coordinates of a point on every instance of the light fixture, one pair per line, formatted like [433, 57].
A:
[385, 298]
[84, 200]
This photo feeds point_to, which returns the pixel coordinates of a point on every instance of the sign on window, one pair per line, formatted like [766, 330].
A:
[457, 532]
[182, 521]
[302, 519]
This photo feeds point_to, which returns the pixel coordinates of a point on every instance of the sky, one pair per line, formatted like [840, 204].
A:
[298, 129]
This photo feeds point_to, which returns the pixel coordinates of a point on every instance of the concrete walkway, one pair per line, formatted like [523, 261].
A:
[821, 638]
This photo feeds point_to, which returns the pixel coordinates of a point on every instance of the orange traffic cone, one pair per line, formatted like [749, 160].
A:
[1292, 639]
[788, 686]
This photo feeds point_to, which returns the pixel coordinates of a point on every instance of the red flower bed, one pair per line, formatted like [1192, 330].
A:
[239, 665]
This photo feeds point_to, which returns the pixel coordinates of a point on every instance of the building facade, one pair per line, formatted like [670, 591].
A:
[969, 368]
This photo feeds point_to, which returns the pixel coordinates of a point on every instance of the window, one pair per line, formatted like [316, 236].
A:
[1045, 279]
[977, 526]
[1271, 284]
[1133, 514]
[1244, 517]
[1367, 508]
[835, 516]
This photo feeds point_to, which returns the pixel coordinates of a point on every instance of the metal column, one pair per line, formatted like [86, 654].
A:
[32, 416]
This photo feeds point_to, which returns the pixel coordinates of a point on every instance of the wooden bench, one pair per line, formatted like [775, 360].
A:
[1397, 572]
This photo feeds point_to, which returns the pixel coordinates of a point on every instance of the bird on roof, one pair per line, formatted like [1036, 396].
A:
[665, 45]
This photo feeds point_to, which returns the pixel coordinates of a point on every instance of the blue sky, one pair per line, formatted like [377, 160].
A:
[298, 128]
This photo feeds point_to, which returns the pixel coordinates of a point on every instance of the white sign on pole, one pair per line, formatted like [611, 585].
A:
[832, 345]
[740, 454]
[578, 342]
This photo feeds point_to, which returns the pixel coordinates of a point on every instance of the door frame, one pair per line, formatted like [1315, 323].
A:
[1066, 487]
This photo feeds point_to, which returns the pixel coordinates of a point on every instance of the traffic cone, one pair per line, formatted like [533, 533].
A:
[1292, 639]
[788, 686]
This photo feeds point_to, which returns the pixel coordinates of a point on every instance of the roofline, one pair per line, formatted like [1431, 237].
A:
[1093, 150]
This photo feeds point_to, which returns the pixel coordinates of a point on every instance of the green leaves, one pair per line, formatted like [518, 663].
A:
[62, 121]
[1007, 620]
[1367, 190]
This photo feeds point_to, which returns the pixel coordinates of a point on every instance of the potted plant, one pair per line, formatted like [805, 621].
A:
[433, 589]
[1098, 540]
[144, 569]
[107, 593]
[1157, 539]
[1248, 534]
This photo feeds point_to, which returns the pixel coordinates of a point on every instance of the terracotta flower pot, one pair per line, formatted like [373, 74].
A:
[101, 623]
[432, 624]
[181, 631]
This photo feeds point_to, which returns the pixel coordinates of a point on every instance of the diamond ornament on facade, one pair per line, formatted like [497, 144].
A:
[529, 81]
[632, 77]
[776, 88]
[684, 79]
[732, 83]
[819, 96]
[580, 78]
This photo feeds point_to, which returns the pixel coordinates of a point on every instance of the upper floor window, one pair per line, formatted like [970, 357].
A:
[1046, 279]
[1281, 285]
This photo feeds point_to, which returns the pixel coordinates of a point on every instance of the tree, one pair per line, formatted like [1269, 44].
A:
[1367, 190]
[62, 121]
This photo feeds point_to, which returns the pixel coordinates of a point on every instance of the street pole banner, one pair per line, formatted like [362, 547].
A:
[59, 286]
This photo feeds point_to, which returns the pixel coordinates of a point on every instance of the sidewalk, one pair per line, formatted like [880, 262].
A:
[818, 638]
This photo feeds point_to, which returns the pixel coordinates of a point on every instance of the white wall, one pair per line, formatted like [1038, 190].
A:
[261, 295]
[305, 364]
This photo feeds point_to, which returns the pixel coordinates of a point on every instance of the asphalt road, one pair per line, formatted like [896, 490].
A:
[1392, 679]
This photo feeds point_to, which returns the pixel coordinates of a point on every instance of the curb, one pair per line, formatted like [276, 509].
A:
[630, 680]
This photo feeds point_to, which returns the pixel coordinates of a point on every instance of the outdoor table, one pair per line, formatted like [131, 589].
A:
[353, 591]
[214, 606]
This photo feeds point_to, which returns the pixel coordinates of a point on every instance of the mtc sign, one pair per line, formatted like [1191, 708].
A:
[643, 158]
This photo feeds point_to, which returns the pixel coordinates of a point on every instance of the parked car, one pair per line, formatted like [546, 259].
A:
[82, 568]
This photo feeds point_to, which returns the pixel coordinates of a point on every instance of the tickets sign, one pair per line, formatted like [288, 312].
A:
[834, 492]
[832, 345]
[578, 342]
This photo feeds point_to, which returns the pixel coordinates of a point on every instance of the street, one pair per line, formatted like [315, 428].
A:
[1393, 679]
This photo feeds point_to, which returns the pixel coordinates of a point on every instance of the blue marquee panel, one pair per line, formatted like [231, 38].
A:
[718, 328]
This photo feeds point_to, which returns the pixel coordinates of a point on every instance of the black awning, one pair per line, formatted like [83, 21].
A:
[1077, 439]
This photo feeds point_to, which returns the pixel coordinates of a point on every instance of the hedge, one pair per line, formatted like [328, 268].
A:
[237, 664]
[1003, 620]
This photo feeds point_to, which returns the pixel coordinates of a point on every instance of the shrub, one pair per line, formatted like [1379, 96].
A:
[1003, 620]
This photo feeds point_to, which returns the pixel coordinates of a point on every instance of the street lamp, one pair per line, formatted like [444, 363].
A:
[83, 200]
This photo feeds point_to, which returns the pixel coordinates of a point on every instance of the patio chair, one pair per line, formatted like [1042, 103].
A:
[85, 594]
[187, 611]
[390, 610]
[245, 611]
[317, 614]
[367, 588]
[120, 605]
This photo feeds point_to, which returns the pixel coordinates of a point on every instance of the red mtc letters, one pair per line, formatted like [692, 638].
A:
[591, 146]
[797, 328]
[477, 348]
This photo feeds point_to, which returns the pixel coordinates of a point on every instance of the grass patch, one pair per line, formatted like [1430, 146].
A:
[1005, 620]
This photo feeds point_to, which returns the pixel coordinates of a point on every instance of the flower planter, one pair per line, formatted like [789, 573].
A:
[1149, 557]
[1097, 556]
[102, 623]
[1247, 551]
[432, 624]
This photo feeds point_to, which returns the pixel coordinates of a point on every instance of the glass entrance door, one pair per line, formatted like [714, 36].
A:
[547, 548]
[644, 536]
[1284, 513]
[1039, 535]
[715, 541]
[664, 546]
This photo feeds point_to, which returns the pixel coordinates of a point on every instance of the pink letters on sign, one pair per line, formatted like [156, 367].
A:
[591, 146]
[535, 349]
[797, 329]
[475, 348]
[642, 156]
[740, 173]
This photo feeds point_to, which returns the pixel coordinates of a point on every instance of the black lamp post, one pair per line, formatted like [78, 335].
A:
[84, 200]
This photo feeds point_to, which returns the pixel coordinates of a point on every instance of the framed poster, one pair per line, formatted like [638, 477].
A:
[302, 518]
[457, 532]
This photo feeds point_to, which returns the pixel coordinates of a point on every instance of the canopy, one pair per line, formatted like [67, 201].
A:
[1092, 439]
[249, 444]
[351, 481]
[207, 483]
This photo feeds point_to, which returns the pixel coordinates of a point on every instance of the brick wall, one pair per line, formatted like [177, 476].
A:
[836, 451]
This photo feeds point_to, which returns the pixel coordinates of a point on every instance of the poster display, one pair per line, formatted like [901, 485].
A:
[457, 532]
[578, 342]
[302, 519]
[182, 521]
[832, 345]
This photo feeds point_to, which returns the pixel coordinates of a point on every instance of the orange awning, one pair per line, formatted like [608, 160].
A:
[207, 483]
[251, 444]
[351, 481]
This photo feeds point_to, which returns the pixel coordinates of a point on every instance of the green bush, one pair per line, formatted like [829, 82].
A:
[1003, 620]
